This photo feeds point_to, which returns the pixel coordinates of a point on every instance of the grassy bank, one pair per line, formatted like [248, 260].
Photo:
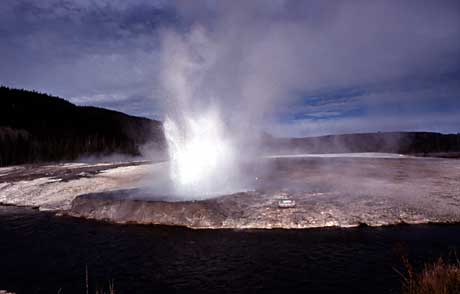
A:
[436, 278]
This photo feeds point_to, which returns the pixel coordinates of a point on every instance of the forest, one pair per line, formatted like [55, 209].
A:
[37, 127]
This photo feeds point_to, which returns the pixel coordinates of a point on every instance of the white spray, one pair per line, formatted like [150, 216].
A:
[203, 157]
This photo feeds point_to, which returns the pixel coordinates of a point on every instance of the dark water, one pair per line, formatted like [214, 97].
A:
[40, 253]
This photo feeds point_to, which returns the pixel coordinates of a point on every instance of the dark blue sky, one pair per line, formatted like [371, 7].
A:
[311, 67]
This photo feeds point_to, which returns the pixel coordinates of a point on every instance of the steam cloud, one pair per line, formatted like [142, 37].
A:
[202, 153]
[235, 65]
[219, 87]
[217, 96]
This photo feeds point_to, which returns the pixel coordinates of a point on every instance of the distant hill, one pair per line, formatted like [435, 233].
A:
[415, 143]
[36, 127]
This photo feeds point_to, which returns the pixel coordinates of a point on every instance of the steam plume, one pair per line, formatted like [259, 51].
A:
[202, 153]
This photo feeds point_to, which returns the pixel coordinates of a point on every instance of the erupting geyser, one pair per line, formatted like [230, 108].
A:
[202, 155]
[201, 143]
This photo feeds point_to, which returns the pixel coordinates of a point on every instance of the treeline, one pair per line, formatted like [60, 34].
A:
[417, 143]
[36, 127]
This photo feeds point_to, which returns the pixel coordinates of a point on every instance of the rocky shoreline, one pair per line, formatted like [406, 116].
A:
[248, 210]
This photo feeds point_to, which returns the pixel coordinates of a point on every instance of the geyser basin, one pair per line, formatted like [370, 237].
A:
[327, 191]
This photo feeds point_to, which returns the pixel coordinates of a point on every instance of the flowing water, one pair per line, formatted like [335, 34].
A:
[42, 253]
